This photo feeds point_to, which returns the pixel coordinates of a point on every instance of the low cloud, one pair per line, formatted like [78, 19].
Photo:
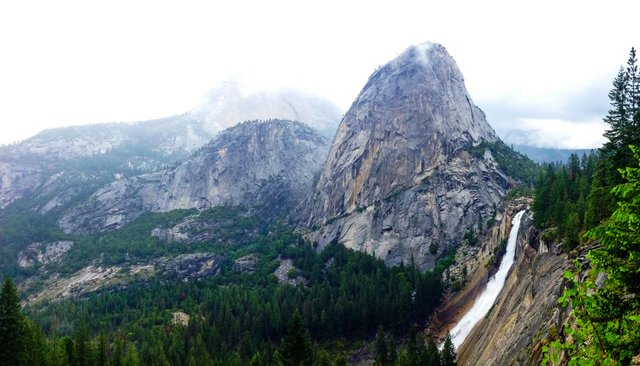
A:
[568, 120]
[556, 133]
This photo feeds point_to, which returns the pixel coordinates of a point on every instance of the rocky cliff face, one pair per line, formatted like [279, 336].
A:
[268, 166]
[105, 150]
[525, 311]
[399, 179]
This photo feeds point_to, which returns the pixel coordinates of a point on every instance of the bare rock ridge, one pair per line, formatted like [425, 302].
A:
[399, 179]
[267, 165]
[147, 146]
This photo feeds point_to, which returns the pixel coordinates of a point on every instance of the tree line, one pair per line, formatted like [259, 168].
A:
[603, 291]
[236, 318]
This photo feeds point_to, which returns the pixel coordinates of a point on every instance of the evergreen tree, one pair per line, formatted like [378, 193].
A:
[12, 326]
[70, 351]
[571, 231]
[599, 202]
[83, 345]
[102, 351]
[56, 355]
[448, 354]
[322, 359]
[617, 117]
[412, 348]
[607, 315]
[391, 350]
[256, 360]
[35, 345]
[295, 349]
[431, 354]
[132, 358]
[382, 354]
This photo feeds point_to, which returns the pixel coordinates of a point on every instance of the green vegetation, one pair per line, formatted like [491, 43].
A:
[604, 327]
[417, 351]
[235, 318]
[511, 162]
[607, 315]
[519, 192]
[22, 342]
[471, 238]
[562, 195]
[497, 255]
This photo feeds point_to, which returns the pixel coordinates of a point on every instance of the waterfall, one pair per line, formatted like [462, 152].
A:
[488, 297]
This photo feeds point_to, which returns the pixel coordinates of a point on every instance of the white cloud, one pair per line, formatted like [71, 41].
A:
[73, 62]
[558, 133]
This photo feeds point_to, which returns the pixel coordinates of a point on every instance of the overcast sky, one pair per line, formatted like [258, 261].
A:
[540, 70]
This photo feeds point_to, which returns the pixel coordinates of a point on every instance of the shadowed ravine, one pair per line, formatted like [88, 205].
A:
[488, 297]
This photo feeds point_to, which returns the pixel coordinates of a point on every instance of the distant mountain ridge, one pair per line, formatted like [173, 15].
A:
[549, 155]
[266, 165]
[128, 149]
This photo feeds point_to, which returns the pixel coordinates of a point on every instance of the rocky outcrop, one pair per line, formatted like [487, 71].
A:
[265, 166]
[246, 264]
[147, 146]
[17, 181]
[525, 311]
[95, 278]
[401, 177]
[287, 273]
[191, 266]
[219, 226]
[43, 253]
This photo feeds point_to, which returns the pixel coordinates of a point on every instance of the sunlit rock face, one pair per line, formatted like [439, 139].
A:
[266, 166]
[400, 179]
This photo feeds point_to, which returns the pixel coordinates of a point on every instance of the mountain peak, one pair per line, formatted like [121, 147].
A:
[387, 183]
[419, 53]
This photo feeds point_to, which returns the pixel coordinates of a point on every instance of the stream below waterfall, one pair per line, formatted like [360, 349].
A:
[488, 297]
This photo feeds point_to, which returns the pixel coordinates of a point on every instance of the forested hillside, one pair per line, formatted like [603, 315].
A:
[241, 316]
[222, 285]
[592, 205]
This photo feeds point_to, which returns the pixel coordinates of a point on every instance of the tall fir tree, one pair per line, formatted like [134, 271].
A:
[448, 354]
[624, 130]
[12, 326]
[382, 352]
[295, 349]
[84, 354]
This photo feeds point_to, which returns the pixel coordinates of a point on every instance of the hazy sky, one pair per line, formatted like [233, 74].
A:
[540, 70]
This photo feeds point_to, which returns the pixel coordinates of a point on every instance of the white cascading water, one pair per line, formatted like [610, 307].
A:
[485, 301]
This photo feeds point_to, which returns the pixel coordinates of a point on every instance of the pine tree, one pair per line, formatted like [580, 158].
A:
[448, 354]
[617, 117]
[102, 351]
[132, 358]
[12, 326]
[35, 345]
[633, 102]
[295, 349]
[624, 121]
[607, 315]
[432, 355]
[70, 351]
[83, 345]
[322, 359]
[382, 354]
[571, 230]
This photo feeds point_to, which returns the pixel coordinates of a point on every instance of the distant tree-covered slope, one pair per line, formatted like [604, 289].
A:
[548, 155]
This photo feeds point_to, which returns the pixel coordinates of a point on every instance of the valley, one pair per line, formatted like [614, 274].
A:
[262, 229]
